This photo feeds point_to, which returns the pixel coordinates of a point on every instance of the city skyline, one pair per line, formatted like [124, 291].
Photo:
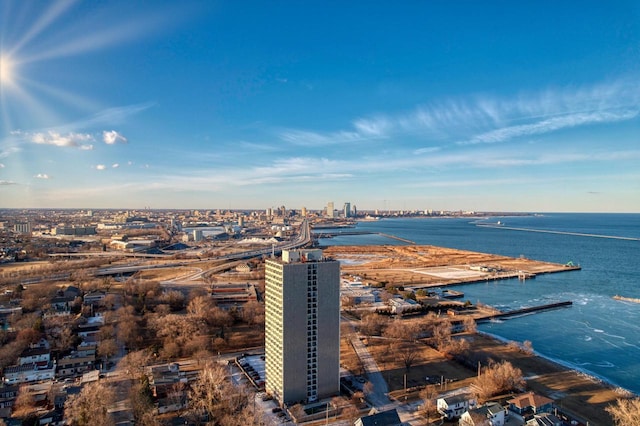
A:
[424, 105]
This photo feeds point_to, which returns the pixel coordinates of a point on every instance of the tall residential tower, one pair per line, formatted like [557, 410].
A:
[302, 326]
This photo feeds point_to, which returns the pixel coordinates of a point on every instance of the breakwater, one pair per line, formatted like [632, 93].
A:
[345, 233]
[546, 231]
[515, 312]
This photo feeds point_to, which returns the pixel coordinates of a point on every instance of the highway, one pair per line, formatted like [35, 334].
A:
[303, 238]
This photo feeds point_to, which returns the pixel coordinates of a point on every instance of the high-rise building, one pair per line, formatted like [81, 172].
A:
[330, 209]
[347, 209]
[302, 340]
[22, 228]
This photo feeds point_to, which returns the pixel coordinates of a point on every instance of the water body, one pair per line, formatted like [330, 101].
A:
[597, 335]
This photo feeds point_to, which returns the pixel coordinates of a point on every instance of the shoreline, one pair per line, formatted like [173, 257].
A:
[568, 366]
[583, 395]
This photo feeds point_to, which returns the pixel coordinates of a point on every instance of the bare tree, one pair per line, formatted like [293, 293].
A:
[442, 334]
[402, 330]
[107, 348]
[135, 362]
[89, 407]
[407, 353]
[141, 399]
[625, 412]
[428, 396]
[25, 403]
[373, 324]
[469, 324]
[200, 306]
[253, 313]
[497, 378]
[213, 396]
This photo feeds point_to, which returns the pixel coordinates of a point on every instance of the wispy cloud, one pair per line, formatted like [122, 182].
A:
[1, 166]
[310, 138]
[42, 176]
[550, 125]
[7, 182]
[489, 119]
[112, 137]
[100, 167]
[115, 165]
[107, 117]
[9, 150]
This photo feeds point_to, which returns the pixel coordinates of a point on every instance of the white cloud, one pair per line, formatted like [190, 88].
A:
[101, 167]
[86, 147]
[42, 176]
[115, 165]
[55, 138]
[1, 166]
[7, 182]
[112, 137]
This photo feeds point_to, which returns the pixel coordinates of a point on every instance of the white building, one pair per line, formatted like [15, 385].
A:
[398, 306]
[455, 405]
[302, 326]
[330, 210]
[491, 414]
[29, 373]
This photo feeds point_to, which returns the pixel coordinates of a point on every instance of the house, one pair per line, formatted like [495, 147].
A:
[61, 305]
[165, 379]
[75, 366]
[545, 419]
[94, 298]
[528, 404]
[34, 355]
[491, 414]
[171, 404]
[26, 373]
[455, 405]
[8, 395]
[84, 349]
[71, 291]
[384, 418]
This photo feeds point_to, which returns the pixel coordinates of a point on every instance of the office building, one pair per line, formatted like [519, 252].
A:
[302, 326]
[330, 209]
[347, 209]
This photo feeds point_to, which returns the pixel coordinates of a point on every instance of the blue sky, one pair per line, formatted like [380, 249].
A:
[510, 106]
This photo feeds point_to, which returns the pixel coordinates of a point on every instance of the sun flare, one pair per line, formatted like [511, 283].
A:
[6, 70]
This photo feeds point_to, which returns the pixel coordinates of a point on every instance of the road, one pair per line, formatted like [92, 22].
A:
[303, 238]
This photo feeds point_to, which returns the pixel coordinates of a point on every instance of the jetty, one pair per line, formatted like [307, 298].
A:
[515, 312]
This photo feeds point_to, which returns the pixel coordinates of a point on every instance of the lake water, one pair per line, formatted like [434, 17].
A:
[597, 335]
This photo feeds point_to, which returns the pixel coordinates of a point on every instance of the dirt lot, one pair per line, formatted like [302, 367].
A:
[424, 266]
